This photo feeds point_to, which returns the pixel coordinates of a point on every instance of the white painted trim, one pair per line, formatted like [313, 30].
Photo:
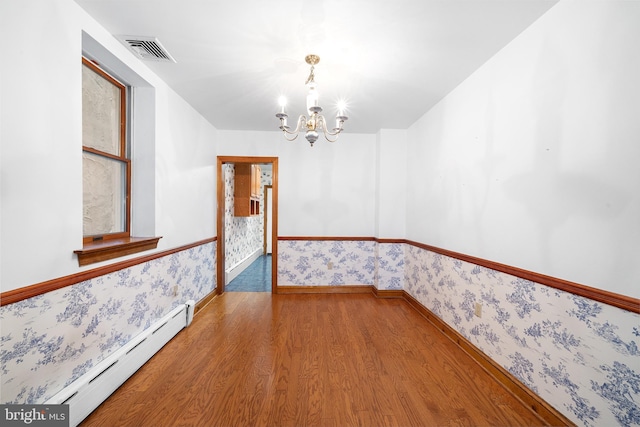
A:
[241, 266]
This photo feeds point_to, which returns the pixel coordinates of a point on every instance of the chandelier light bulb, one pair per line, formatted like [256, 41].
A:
[282, 102]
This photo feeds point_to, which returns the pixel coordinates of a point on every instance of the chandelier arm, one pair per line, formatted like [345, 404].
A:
[291, 139]
[325, 128]
[336, 133]
[302, 120]
[327, 133]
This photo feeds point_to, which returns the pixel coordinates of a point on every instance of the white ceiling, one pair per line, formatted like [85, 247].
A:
[390, 60]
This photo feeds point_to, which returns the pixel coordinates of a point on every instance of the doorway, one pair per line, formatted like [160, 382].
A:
[271, 214]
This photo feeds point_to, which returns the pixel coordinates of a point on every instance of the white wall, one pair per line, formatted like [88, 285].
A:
[391, 183]
[533, 160]
[324, 190]
[41, 143]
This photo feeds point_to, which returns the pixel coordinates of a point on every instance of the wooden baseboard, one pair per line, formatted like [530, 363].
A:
[544, 410]
[346, 289]
[204, 301]
[387, 293]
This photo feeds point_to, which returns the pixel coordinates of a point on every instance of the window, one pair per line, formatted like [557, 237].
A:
[106, 169]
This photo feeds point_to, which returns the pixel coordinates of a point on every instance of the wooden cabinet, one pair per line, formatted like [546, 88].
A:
[255, 181]
[246, 193]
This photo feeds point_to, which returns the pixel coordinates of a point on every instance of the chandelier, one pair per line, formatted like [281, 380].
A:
[316, 121]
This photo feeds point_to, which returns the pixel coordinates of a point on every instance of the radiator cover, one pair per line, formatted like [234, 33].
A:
[87, 392]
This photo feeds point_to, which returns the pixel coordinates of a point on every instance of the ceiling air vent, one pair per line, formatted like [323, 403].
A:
[147, 48]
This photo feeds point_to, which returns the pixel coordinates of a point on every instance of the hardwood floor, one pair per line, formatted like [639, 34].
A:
[256, 359]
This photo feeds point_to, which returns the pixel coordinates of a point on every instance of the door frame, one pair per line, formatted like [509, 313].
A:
[267, 216]
[220, 246]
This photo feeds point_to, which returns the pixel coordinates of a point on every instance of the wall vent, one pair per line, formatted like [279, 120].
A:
[146, 48]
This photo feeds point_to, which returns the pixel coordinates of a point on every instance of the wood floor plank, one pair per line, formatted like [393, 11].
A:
[256, 359]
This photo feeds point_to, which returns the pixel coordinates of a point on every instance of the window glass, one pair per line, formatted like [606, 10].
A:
[105, 166]
[104, 194]
[101, 121]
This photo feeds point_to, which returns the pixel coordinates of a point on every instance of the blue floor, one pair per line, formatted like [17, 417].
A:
[255, 278]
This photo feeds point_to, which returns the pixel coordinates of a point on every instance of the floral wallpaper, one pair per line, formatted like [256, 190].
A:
[326, 263]
[353, 262]
[390, 266]
[579, 355]
[243, 235]
[50, 340]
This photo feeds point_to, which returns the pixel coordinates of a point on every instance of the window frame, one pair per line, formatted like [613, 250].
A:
[123, 157]
[104, 247]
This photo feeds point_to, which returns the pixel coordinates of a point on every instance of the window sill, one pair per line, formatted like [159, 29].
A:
[108, 249]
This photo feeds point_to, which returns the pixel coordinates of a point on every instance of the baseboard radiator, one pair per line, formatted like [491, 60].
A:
[89, 391]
